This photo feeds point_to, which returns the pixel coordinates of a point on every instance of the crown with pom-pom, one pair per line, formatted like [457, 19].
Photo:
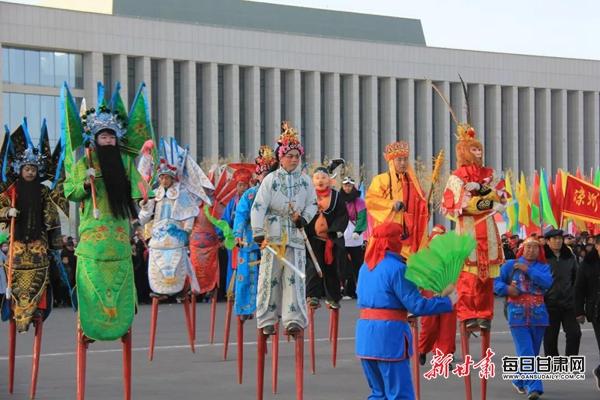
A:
[265, 160]
[395, 150]
[105, 119]
[288, 140]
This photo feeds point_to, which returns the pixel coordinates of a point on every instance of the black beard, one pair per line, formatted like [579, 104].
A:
[28, 225]
[118, 187]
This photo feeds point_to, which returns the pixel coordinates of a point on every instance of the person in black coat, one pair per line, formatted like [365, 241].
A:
[587, 295]
[560, 299]
[326, 237]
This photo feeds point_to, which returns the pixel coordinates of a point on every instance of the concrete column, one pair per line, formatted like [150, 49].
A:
[273, 105]
[189, 121]
[441, 121]
[591, 130]
[231, 103]
[575, 129]
[350, 131]
[527, 161]
[166, 98]
[143, 74]
[387, 131]
[543, 129]
[252, 93]
[459, 105]
[406, 114]
[477, 104]
[559, 130]
[331, 137]
[312, 108]
[493, 127]
[510, 128]
[293, 99]
[119, 74]
[369, 130]
[210, 111]
[423, 123]
[93, 72]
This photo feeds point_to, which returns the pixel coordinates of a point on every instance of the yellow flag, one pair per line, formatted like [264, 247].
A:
[523, 199]
[511, 209]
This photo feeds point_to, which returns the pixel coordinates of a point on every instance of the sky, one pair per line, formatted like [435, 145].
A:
[560, 28]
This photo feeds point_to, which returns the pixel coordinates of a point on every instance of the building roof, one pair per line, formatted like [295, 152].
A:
[278, 18]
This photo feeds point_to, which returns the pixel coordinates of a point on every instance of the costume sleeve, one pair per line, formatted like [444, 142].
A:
[580, 290]
[74, 188]
[4, 205]
[260, 206]
[411, 298]
[146, 212]
[242, 214]
[378, 200]
[502, 281]
[361, 216]
[340, 220]
[540, 275]
[310, 208]
[52, 222]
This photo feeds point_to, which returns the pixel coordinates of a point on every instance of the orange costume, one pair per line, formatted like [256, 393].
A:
[391, 187]
[470, 200]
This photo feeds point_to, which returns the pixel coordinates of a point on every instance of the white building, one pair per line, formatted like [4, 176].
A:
[222, 74]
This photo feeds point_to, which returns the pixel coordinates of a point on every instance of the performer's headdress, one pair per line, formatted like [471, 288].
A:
[532, 240]
[242, 175]
[266, 160]
[288, 140]
[387, 236]
[395, 150]
[348, 181]
[103, 119]
[330, 168]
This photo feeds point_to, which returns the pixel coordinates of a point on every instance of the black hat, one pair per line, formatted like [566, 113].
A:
[553, 233]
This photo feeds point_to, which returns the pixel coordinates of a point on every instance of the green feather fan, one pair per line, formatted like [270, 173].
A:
[438, 265]
[229, 241]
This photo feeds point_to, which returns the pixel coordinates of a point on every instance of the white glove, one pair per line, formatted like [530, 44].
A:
[499, 207]
[453, 297]
[469, 187]
[13, 212]
[90, 172]
[355, 236]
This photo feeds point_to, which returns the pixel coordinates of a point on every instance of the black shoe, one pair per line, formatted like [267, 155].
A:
[313, 302]
[422, 358]
[268, 330]
[293, 328]
[484, 324]
[533, 396]
[597, 376]
[334, 305]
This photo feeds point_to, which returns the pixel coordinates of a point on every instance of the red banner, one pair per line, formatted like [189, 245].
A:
[582, 200]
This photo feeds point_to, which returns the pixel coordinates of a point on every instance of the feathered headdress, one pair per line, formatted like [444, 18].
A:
[288, 140]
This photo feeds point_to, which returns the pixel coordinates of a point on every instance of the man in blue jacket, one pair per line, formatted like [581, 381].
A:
[524, 281]
[385, 296]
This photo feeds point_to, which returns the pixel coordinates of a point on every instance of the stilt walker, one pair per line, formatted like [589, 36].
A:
[35, 237]
[107, 183]
[172, 213]
[248, 255]
[285, 201]
[470, 199]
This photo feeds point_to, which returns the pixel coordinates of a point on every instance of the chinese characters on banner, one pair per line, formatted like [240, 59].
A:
[582, 200]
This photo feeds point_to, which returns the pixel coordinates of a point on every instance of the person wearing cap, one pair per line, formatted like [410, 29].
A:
[470, 199]
[437, 331]
[285, 202]
[385, 297]
[326, 235]
[396, 196]
[353, 235]
[560, 299]
[524, 281]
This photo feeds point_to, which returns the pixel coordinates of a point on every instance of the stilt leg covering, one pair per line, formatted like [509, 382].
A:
[188, 321]
[335, 314]
[275, 360]
[194, 316]
[260, 364]
[126, 343]
[311, 339]
[213, 316]
[227, 327]
[485, 344]
[153, 318]
[35, 363]
[299, 365]
[82, 346]
[12, 337]
[240, 349]
[464, 344]
[414, 326]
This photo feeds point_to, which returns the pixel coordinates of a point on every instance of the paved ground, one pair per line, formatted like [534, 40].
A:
[176, 373]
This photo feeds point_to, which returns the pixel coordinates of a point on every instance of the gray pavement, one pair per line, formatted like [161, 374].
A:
[176, 373]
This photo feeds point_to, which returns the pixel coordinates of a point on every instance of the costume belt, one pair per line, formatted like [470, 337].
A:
[383, 314]
[527, 299]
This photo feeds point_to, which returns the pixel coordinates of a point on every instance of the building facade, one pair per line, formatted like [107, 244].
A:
[349, 83]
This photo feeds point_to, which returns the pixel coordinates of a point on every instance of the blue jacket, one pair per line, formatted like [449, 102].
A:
[386, 287]
[241, 221]
[536, 281]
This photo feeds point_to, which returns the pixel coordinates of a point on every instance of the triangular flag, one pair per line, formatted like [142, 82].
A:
[535, 201]
[547, 213]
[523, 199]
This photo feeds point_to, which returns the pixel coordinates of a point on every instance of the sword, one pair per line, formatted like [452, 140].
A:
[285, 262]
[311, 252]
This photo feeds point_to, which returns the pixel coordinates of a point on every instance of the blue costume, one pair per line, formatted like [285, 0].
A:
[383, 337]
[527, 314]
[247, 275]
[229, 216]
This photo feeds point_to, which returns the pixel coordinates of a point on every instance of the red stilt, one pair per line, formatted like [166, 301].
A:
[311, 338]
[126, 344]
[330, 327]
[299, 365]
[227, 326]
[485, 344]
[153, 318]
[260, 364]
[464, 344]
[336, 323]
[188, 321]
[194, 316]
[414, 326]
[275, 360]
[35, 364]
[213, 315]
[240, 349]
[12, 337]
[81, 363]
